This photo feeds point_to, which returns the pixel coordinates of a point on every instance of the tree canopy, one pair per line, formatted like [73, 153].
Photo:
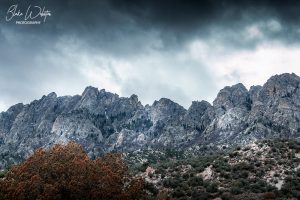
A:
[66, 172]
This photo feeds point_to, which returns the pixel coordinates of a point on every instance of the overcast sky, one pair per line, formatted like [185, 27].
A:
[182, 50]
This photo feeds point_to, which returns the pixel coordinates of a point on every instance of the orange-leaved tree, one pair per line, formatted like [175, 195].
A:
[66, 172]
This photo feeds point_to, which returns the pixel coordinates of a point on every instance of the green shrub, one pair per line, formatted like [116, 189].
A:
[291, 187]
[225, 175]
[200, 195]
[171, 182]
[226, 196]
[212, 188]
[195, 181]
[178, 192]
[2, 173]
[233, 154]
[235, 190]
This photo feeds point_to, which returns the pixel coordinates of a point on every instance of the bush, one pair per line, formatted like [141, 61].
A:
[163, 195]
[235, 190]
[269, 195]
[226, 196]
[66, 172]
[2, 174]
[178, 192]
[233, 154]
[291, 187]
[199, 195]
[212, 188]
[195, 181]
[151, 188]
[225, 175]
[171, 182]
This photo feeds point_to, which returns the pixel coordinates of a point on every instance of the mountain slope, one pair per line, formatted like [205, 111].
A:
[267, 169]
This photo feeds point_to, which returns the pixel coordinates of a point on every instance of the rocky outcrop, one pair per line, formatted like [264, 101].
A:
[267, 111]
[230, 97]
[102, 121]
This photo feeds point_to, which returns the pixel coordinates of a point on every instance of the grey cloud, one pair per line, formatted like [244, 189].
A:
[117, 26]
[125, 28]
[181, 81]
[33, 60]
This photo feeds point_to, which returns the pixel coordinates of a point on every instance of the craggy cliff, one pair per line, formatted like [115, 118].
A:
[102, 121]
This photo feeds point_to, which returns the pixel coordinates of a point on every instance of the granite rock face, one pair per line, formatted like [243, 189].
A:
[102, 121]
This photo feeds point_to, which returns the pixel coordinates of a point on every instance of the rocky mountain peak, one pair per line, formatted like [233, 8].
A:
[283, 85]
[199, 106]
[102, 121]
[134, 98]
[254, 92]
[89, 92]
[15, 108]
[199, 115]
[89, 99]
[168, 105]
[52, 95]
[233, 96]
[288, 78]
[163, 102]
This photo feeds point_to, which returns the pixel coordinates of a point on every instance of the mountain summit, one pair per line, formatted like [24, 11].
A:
[102, 121]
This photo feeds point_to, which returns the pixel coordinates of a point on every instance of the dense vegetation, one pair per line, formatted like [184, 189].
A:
[66, 172]
[267, 169]
[264, 170]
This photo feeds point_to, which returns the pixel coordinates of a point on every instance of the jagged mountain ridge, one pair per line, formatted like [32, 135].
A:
[102, 121]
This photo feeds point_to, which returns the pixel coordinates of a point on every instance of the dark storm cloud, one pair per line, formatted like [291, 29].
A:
[34, 58]
[186, 20]
[123, 26]
[108, 23]
[177, 20]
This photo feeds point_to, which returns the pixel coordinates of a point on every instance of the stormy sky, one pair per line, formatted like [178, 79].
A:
[179, 49]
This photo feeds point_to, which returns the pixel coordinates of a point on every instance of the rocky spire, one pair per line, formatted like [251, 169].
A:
[234, 96]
